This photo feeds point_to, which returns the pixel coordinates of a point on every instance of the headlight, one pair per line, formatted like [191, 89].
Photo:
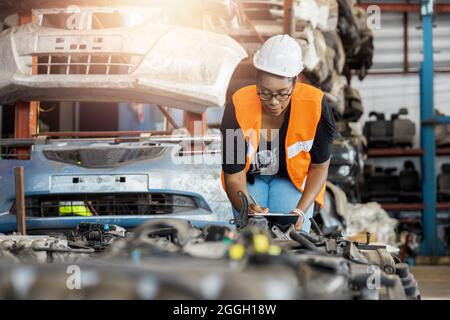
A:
[350, 155]
[344, 171]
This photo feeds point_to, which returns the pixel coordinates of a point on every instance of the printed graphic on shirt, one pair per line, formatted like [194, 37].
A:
[266, 160]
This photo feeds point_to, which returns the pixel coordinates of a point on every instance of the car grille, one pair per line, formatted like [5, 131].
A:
[103, 64]
[114, 204]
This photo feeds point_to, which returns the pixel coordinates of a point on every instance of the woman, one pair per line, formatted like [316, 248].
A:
[277, 136]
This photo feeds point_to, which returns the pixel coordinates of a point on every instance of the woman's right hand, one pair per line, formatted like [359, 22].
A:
[255, 209]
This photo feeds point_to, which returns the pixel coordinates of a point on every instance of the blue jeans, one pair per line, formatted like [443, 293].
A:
[279, 195]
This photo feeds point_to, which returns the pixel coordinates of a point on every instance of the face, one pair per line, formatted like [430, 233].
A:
[267, 85]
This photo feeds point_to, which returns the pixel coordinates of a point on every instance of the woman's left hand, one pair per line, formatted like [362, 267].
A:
[299, 224]
[301, 218]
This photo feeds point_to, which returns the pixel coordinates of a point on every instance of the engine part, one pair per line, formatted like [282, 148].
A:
[382, 258]
[42, 249]
[410, 285]
[98, 236]
[214, 232]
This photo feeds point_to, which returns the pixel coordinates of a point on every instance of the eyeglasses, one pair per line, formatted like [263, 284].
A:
[278, 96]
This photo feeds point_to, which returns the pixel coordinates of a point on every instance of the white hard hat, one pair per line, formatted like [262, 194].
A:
[280, 55]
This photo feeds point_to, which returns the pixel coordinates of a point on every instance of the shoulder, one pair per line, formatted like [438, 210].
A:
[245, 91]
[229, 113]
[327, 121]
[326, 107]
[308, 92]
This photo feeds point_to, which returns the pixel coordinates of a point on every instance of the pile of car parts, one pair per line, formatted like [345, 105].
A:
[41, 249]
[356, 36]
[353, 105]
[332, 34]
[168, 258]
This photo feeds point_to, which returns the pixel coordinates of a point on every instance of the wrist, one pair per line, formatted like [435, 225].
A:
[300, 213]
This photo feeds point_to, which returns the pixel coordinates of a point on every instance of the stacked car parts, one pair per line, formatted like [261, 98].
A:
[384, 185]
[396, 132]
[353, 105]
[442, 133]
[409, 183]
[356, 37]
[444, 183]
[319, 31]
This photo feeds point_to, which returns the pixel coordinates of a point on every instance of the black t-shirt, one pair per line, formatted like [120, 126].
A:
[268, 155]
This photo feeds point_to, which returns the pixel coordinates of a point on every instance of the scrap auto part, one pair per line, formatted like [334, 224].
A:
[331, 215]
[379, 131]
[155, 237]
[409, 181]
[345, 167]
[382, 133]
[410, 284]
[403, 130]
[442, 133]
[383, 185]
[353, 104]
[444, 183]
[141, 64]
[42, 248]
[98, 236]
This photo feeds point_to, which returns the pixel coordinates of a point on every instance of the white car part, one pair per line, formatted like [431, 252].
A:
[172, 66]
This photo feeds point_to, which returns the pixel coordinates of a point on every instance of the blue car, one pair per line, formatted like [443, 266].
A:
[103, 181]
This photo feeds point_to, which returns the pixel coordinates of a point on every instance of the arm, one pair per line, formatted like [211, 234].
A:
[320, 159]
[317, 176]
[233, 184]
[233, 164]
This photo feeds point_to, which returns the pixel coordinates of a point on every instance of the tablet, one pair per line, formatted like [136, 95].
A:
[277, 218]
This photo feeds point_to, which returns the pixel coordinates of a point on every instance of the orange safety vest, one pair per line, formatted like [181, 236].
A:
[306, 110]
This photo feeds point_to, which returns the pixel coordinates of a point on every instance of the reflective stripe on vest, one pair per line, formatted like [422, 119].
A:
[306, 110]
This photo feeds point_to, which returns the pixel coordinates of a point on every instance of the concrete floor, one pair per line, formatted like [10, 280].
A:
[434, 281]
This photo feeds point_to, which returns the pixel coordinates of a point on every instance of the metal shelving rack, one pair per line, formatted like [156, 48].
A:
[431, 246]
